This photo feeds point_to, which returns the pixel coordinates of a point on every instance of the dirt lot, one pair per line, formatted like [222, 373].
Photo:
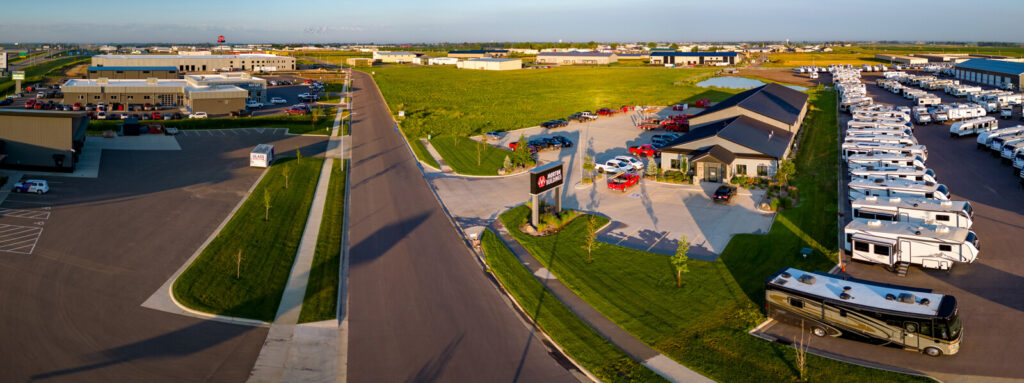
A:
[784, 75]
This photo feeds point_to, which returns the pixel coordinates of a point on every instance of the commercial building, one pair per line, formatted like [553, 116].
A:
[576, 58]
[359, 61]
[901, 59]
[3, 60]
[214, 94]
[479, 53]
[745, 135]
[41, 139]
[696, 58]
[442, 61]
[394, 57]
[200, 63]
[490, 64]
[632, 56]
[132, 73]
[990, 72]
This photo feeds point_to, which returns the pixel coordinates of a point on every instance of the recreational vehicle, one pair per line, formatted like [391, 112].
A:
[973, 126]
[985, 138]
[845, 105]
[921, 116]
[1009, 151]
[851, 148]
[903, 188]
[882, 138]
[1006, 112]
[928, 100]
[999, 142]
[965, 111]
[919, 174]
[884, 131]
[913, 210]
[1018, 160]
[891, 243]
[884, 159]
[914, 319]
[854, 124]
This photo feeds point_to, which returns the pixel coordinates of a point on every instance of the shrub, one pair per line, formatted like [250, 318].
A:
[774, 204]
[785, 202]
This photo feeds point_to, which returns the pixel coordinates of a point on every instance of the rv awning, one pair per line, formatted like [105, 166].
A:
[875, 240]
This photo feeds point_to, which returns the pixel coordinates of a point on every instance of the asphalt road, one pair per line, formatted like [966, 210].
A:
[70, 305]
[420, 307]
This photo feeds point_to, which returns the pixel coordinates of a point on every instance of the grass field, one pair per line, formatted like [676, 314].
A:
[461, 154]
[294, 124]
[422, 154]
[268, 248]
[821, 59]
[321, 300]
[36, 73]
[585, 345]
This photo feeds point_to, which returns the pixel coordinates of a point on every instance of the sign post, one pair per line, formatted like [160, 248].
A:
[544, 178]
[18, 76]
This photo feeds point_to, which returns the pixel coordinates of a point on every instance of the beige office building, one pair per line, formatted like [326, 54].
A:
[577, 58]
[214, 94]
[41, 139]
[200, 63]
[394, 57]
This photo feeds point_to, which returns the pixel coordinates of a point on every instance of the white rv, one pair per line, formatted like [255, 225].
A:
[884, 160]
[921, 116]
[884, 131]
[973, 126]
[892, 172]
[1018, 160]
[869, 115]
[999, 142]
[892, 243]
[1006, 112]
[861, 188]
[905, 139]
[985, 138]
[851, 148]
[845, 105]
[928, 100]
[1009, 151]
[965, 111]
[854, 124]
[262, 156]
[911, 210]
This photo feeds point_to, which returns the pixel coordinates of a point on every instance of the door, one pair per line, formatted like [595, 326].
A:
[902, 254]
[713, 173]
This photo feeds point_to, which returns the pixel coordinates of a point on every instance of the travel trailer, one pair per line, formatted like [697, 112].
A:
[891, 243]
[885, 159]
[973, 126]
[882, 138]
[914, 210]
[862, 188]
[914, 173]
[850, 148]
[985, 138]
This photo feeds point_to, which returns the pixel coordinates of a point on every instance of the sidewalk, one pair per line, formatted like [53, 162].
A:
[640, 351]
[437, 156]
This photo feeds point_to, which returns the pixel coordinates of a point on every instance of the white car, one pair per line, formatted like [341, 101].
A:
[32, 186]
[614, 166]
[198, 115]
[253, 104]
[632, 161]
[278, 100]
[101, 115]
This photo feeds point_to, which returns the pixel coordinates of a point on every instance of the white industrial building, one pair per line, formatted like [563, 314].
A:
[491, 64]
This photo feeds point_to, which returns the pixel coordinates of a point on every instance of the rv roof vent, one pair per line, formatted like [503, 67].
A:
[907, 298]
[870, 154]
[929, 183]
[781, 281]
[947, 203]
[807, 279]
[942, 229]
[875, 223]
[845, 296]
[895, 199]
[918, 168]
[890, 297]
[925, 301]
[879, 180]
[915, 204]
[871, 198]
[785, 274]
[917, 232]
[847, 288]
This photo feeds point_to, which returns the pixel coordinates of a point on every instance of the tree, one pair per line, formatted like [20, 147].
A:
[785, 171]
[694, 49]
[298, 155]
[800, 346]
[680, 261]
[480, 149]
[652, 168]
[652, 45]
[589, 167]
[286, 171]
[238, 266]
[266, 202]
[615, 45]
[674, 46]
[507, 165]
[522, 152]
[590, 237]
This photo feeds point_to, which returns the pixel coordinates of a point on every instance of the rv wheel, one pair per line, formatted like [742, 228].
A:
[932, 351]
[820, 331]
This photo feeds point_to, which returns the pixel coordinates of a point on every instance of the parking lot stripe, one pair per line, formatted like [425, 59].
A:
[22, 213]
[656, 242]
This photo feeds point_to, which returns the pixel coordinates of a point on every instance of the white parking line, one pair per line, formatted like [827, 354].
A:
[656, 242]
[19, 239]
[23, 213]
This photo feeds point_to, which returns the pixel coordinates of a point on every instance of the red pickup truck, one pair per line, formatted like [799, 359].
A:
[645, 150]
[623, 181]
[605, 112]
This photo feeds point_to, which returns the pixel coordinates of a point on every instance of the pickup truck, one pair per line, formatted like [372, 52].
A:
[605, 112]
[613, 166]
[582, 117]
[645, 150]
[622, 182]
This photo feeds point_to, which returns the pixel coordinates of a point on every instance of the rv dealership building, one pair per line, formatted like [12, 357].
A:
[214, 94]
[133, 73]
[576, 58]
[990, 72]
[901, 59]
[41, 139]
[696, 58]
[200, 63]
[490, 64]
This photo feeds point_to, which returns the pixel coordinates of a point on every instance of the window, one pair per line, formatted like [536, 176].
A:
[95, 97]
[796, 303]
[113, 97]
[145, 97]
[741, 170]
[145, 71]
[674, 164]
[882, 250]
[131, 97]
[860, 246]
[762, 170]
[842, 313]
[945, 248]
[942, 217]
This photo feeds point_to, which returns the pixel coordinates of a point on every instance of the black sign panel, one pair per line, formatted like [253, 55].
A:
[544, 178]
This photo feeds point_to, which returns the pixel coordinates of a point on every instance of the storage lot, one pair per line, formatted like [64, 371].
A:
[71, 305]
[988, 290]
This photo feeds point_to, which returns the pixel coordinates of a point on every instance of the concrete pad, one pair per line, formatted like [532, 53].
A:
[141, 142]
[544, 273]
[672, 370]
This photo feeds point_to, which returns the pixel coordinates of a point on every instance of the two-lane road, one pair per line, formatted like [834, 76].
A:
[420, 308]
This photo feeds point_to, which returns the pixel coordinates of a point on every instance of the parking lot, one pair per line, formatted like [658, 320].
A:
[650, 216]
[987, 290]
[79, 261]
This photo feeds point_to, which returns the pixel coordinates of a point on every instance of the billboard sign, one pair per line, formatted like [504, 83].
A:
[546, 177]
[18, 75]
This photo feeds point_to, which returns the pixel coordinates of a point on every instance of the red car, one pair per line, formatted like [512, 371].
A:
[678, 107]
[605, 112]
[703, 103]
[645, 150]
[626, 108]
[30, 103]
[623, 181]
[157, 116]
[77, 106]
[295, 111]
[676, 126]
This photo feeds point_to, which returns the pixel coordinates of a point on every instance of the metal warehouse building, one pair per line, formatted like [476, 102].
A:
[41, 139]
[576, 58]
[479, 53]
[133, 73]
[200, 63]
[990, 72]
[213, 94]
[490, 64]
[696, 58]
[901, 59]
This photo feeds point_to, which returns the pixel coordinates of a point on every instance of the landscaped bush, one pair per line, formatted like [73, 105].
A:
[676, 176]
[774, 204]
[785, 202]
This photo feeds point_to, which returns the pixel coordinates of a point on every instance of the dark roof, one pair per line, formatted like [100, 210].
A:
[771, 100]
[41, 113]
[582, 54]
[1004, 67]
[479, 51]
[715, 151]
[694, 54]
[98, 68]
[744, 131]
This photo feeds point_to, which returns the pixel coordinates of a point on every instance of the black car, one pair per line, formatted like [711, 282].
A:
[724, 193]
[562, 141]
[6, 101]
[552, 143]
[539, 143]
[555, 124]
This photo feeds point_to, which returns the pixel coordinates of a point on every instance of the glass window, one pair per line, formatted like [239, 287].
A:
[942, 217]
[945, 248]
[762, 170]
[860, 246]
[741, 170]
[674, 164]
[882, 250]
[926, 328]
[796, 303]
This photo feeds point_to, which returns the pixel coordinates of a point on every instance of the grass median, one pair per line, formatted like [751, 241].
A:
[462, 153]
[36, 72]
[585, 345]
[319, 123]
[217, 283]
[321, 300]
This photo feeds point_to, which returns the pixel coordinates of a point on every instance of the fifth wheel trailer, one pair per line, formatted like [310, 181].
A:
[914, 210]
[891, 243]
[914, 173]
[985, 138]
[903, 188]
[973, 126]
[885, 159]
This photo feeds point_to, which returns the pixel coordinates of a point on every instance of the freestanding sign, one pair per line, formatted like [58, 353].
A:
[544, 178]
[18, 75]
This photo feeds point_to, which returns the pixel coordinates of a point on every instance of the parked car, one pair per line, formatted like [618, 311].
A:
[661, 140]
[645, 150]
[253, 105]
[623, 181]
[176, 115]
[196, 115]
[564, 142]
[101, 116]
[582, 117]
[555, 124]
[636, 163]
[494, 135]
[242, 113]
[679, 107]
[605, 112]
[277, 100]
[170, 131]
[724, 193]
[156, 116]
[295, 110]
[32, 186]
[7, 101]
[31, 103]
[613, 166]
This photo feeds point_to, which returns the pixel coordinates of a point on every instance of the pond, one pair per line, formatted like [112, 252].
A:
[738, 83]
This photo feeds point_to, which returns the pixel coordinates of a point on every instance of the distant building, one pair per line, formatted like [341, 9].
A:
[696, 58]
[490, 64]
[576, 58]
[359, 61]
[393, 57]
[214, 94]
[632, 56]
[442, 61]
[479, 53]
[41, 139]
[901, 59]
[524, 51]
[990, 72]
[200, 63]
[132, 73]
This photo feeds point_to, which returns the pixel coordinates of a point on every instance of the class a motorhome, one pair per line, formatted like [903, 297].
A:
[903, 188]
[973, 126]
[851, 148]
[890, 243]
[882, 138]
[914, 210]
[885, 159]
[892, 172]
[985, 138]
[830, 305]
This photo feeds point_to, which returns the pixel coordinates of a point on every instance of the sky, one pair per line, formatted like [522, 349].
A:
[410, 21]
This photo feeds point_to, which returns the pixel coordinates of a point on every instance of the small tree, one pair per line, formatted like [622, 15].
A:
[507, 165]
[785, 171]
[480, 149]
[286, 171]
[652, 168]
[674, 46]
[522, 152]
[238, 265]
[800, 346]
[652, 45]
[589, 167]
[298, 155]
[266, 203]
[680, 261]
[590, 237]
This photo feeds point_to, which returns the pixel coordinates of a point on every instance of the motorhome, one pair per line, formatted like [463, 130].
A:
[892, 172]
[928, 100]
[854, 124]
[851, 148]
[861, 188]
[913, 319]
[884, 159]
[813, 75]
[973, 126]
[1018, 160]
[864, 115]
[940, 113]
[891, 243]
[985, 138]
[921, 116]
[882, 138]
[914, 210]
[884, 131]
[964, 90]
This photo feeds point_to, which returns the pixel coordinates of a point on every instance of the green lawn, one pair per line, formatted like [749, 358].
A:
[461, 154]
[704, 324]
[585, 345]
[321, 301]
[422, 154]
[295, 124]
[36, 72]
[268, 248]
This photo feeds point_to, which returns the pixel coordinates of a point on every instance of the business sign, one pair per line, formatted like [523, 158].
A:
[546, 177]
[18, 75]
